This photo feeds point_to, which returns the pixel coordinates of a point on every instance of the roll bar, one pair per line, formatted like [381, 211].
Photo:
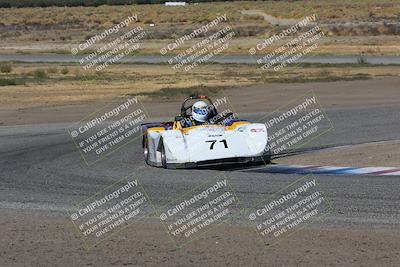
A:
[193, 97]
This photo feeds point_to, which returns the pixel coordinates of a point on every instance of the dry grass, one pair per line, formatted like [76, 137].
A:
[75, 86]
[368, 45]
[105, 16]
[56, 29]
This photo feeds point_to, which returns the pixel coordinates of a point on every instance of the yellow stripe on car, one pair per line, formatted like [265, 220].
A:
[227, 128]
[236, 124]
[156, 129]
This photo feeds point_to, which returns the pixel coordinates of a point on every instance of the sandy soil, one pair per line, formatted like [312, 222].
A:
[51, 241]
[365, 155]
[259, 98]
[342, 94]
[69, 85]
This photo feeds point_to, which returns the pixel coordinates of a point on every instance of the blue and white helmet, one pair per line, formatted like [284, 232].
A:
[200, 111]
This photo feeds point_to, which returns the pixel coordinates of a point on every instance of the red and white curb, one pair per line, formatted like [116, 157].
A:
[332, 170]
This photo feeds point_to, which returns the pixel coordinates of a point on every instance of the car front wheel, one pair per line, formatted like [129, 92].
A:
[163, 156]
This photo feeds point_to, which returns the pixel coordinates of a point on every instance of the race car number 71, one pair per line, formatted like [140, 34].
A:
[214, 141]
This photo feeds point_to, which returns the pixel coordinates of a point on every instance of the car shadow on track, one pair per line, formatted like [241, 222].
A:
[247, 166]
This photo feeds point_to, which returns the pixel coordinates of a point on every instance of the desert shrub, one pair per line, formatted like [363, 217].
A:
[52, 70]
[39, 73]
[13, 81]
[253, 17]
[250, 30]
[64, 71]
[5, 67]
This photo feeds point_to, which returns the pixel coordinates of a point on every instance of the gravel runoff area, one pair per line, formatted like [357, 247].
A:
[49, 241]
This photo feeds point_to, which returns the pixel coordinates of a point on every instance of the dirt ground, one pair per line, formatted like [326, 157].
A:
[30, 85]
[382, 91]
[354, 27]
[36, 241]
[383, 154]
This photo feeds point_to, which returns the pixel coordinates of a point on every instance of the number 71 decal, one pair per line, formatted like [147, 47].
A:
[214, 141]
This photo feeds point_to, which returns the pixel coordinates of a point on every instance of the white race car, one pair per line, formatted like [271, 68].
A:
[227, 140]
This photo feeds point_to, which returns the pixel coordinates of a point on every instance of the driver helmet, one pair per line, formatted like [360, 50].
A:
[200, 111]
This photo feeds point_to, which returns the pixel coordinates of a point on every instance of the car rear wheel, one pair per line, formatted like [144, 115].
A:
[146, 149]
[267, 156]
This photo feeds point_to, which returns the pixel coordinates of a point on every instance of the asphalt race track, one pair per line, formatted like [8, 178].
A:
[41, 172]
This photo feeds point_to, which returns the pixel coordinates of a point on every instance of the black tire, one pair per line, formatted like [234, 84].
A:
[163, 156]
[146, 149]
[267, 157]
